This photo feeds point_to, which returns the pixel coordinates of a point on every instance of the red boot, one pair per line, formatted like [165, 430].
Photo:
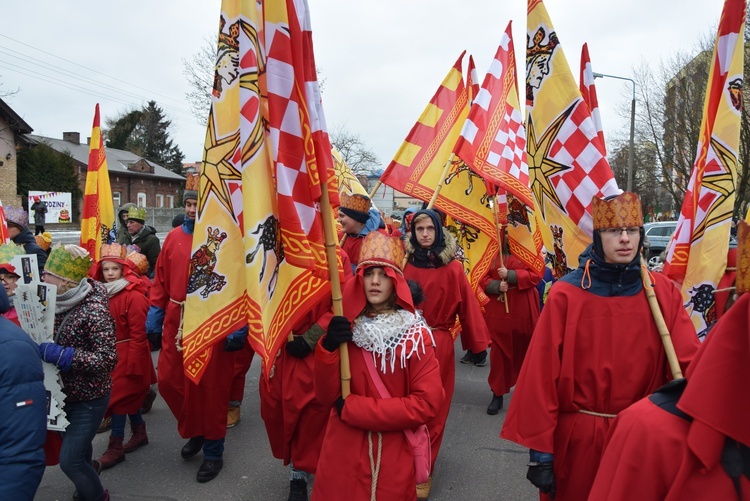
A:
[114, 453]
[138, 439]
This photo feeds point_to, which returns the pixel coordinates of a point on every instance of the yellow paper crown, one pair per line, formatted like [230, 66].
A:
[379, 249]
[7, 253]
[139, 260]
[137, 213]
[355, 201]
[44, 240]
[622, 211]
[112, 251]
[63, 264]
[742, 279]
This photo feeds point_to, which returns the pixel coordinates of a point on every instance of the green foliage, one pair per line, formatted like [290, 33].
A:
[41, 168]
[145, 132]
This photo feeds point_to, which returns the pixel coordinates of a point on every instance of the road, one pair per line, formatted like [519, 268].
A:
[474, 463]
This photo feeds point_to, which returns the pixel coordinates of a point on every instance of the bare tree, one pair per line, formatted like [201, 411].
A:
[199, 72]
[359, 158]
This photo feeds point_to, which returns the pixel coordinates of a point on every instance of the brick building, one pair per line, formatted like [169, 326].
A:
[12, 137]
[132, 178]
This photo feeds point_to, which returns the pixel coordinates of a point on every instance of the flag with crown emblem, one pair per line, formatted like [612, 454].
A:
[588, 92]
[258, 254]
[493, 144]
[98, 224]
[418, 165]
[566, 158]
[697, 255]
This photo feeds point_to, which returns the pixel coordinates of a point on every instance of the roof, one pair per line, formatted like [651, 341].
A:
[117, 160]
[16, 123]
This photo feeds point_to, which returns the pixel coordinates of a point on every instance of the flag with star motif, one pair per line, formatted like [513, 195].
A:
[697, 255]
[566, 158]
[258, 256]
[98, 216]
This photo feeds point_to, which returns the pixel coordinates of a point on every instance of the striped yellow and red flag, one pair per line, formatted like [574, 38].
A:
[98, 224]
[567, 162]
[258, 248]
[697, 254]
[419, 163]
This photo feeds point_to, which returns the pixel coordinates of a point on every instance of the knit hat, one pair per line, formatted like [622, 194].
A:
[16, 216]
[44, 240]
[622, 211]
[356, 206]
[69, 262]
[7, 253]
[137, 214]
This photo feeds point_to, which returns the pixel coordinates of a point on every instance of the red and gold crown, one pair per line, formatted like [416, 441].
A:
[140, 262]
[112, 251]
[742, 280]
[355, 201]
[622, 211]
[380, 249]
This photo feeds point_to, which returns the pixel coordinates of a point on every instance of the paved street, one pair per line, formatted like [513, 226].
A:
[473, 464]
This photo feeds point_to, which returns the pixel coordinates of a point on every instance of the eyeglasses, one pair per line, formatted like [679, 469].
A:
[8, 279]
[616, 232]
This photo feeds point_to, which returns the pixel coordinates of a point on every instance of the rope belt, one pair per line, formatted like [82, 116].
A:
[597, 414]
[178, 338]
[374, 462]
[122, 341]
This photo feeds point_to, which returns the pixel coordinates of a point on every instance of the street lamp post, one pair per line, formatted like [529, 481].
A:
[631, 152]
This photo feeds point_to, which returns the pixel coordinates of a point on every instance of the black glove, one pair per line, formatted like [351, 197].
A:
[236, 340]
[543, 477]
[154, 339]
[339, 404]
[339, 331]
[298, 347]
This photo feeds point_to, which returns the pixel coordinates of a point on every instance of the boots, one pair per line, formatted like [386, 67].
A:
[496, 405]
[297, 490]
[114, 453]
[138, 438]
[148, 402]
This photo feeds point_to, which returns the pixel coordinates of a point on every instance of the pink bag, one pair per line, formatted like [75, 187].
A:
[419, 438]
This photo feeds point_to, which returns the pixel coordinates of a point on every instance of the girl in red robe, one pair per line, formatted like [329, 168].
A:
[131, 378]
[365, 453]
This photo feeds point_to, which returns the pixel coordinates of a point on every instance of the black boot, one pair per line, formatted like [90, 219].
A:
[192, 447]
[297, 490]
[495, 405]
[209, 469]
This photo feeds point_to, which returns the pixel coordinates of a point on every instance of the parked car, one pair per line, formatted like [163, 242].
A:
[658, 234]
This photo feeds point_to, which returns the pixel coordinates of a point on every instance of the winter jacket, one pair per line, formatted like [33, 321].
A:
[40, 209]
[123, 237]
[26, 238]
[23, 413]
[90, 330]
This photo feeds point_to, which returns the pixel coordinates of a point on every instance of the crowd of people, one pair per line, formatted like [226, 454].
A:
[580, 365]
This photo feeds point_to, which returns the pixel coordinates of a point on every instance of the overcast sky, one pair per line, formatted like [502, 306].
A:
[381, 60]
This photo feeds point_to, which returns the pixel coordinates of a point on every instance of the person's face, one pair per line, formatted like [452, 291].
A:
[620, 245]
[349, 225]
[133, 226]
[537, 70]
[378, 288]
[424, 229]
[111, 271]
[124, 216]
[13, 231]
[191, 208]
[10, 282]
[51, 279]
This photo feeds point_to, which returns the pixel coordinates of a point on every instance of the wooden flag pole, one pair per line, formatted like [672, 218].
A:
[372, 194]
[432, 201]
[336, 296]
[661, 326]
[499, 229]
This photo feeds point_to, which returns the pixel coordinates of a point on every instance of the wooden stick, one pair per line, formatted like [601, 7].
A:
[336, 296]
[499, 228]
[661, 326]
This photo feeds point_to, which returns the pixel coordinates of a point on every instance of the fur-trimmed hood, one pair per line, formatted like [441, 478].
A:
[446, 256]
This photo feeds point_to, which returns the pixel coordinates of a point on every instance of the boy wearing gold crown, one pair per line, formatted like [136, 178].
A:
[594, 351]
[696, 428]
[144, 236]
[357, 219]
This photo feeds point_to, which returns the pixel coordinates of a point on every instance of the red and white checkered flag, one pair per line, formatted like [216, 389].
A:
[588, 91]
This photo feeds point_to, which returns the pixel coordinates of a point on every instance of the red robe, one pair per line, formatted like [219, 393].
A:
[200, 409]
[596, 354]
[447, 293]
[132, 375]
[510, 333]
[344, 471]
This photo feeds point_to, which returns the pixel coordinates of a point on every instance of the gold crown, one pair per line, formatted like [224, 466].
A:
[112, 251]
[62, 263]
[742, 279]
[355, 201]
[139, 260]
[379, 249]
[536, 48]
[44, 240]
[137, 213]
[192, 182]
[622, 211]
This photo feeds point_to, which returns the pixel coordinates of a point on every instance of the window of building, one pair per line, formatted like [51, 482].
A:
[160, 200]
[116, 198]
[170, 201]
[141, 199]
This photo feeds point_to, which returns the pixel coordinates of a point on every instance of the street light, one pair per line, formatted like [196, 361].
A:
[631, 152]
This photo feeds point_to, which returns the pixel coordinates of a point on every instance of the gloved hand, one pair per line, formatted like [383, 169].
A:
[298, 347]
[339, 331]
[154, 339]
[236, 340]
[541, 472]
[339, 404]
[154, 325]
[57, 355]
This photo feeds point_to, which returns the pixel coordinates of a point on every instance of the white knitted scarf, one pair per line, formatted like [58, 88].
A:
[383, 334]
